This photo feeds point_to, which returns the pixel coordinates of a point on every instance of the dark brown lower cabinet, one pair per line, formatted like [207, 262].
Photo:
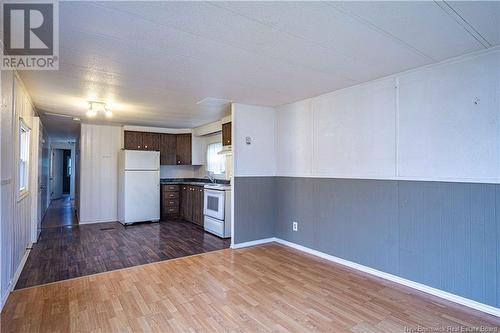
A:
[169, 202]
[191, 205]
[198, 205]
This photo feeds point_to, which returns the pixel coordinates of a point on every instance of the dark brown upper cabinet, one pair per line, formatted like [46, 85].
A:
[141, 140]
[168, 149]
[175, 149]
[133, 140]
[151, 141]
[183, 149]
[226, 134]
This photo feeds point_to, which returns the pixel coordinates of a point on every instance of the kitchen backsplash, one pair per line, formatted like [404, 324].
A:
[179, 171]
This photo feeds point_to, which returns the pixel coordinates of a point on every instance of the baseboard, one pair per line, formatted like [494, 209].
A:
[20, 267]
[408, 283]
[253, 243]
[97, 221]
[4, 298]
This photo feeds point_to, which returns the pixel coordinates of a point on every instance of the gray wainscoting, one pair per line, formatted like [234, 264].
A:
[444, 235]
[254, 208]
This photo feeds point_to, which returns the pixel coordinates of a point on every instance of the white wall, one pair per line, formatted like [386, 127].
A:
[420, 125]
[179, 171]
[258, 123]
[15, 208]
[99, 147]
[443, 134]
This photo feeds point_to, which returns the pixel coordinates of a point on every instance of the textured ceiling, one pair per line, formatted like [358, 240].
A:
[152, 61]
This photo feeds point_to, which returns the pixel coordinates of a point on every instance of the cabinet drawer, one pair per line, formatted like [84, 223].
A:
[171, 202]
[170, 195]
[170, 188]
[174, 210]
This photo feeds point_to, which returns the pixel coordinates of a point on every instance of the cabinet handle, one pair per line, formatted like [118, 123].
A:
[138, 146]
[171, 202]
[145, 146]
[178, 162]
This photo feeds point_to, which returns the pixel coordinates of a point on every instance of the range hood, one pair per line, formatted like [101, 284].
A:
[226, 150]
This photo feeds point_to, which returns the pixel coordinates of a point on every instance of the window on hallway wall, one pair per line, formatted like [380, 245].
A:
[215, 162]
[24, 153]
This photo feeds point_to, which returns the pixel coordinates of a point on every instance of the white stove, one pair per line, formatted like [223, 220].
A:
[217, 209]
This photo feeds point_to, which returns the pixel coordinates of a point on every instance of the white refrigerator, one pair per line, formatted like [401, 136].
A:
[138, 186]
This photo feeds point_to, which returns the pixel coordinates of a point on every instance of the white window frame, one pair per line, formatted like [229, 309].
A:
[212, 149]
[23, 159]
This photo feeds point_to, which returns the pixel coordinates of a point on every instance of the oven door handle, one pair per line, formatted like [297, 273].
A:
[214, 192]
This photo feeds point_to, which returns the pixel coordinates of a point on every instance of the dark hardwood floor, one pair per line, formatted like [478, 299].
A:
[60, 213]
[77, 250]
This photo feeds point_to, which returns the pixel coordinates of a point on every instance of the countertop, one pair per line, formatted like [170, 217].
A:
[191, 181]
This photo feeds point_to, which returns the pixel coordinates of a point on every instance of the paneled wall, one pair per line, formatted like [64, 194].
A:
[16, 209]
[99, 147]
[258, 124]
[253, 170]
[439, 123]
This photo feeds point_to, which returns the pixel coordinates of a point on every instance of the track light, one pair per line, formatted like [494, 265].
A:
[108, 113]
[95, 107]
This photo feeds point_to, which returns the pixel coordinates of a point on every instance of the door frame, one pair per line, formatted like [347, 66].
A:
[34, 178]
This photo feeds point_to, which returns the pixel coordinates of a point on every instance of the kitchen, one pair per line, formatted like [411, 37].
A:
[204, 201]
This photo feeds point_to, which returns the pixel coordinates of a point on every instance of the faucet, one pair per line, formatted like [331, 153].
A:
[211, 177]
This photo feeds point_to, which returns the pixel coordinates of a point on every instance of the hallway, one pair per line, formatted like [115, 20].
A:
[60, 213]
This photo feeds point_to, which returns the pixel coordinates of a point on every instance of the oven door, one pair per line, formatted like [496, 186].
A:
[213, 205]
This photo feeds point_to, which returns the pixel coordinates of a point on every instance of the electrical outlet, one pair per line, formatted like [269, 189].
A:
[295, 226]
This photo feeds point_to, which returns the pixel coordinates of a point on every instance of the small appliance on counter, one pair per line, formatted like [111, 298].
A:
[138, 186]
[217, 209]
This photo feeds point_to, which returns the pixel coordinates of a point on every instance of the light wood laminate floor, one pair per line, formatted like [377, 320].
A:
[268, 288]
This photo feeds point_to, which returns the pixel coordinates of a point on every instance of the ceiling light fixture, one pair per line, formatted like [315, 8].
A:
[95, 107]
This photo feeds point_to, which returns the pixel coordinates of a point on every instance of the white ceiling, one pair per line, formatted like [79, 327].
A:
[152, 61]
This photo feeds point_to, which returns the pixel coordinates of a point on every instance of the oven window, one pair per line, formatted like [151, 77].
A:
[213, 203]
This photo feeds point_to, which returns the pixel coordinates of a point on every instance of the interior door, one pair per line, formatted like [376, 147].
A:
[41, 192]
[44, 172]
[56, 174]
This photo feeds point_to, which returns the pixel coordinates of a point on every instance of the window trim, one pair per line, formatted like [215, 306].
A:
[23, 192]
[216, 175]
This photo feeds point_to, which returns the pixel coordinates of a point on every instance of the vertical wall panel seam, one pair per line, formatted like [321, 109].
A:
[497, 247]
[398, 221]
[311, 121]
[396, 128]
[469, 280]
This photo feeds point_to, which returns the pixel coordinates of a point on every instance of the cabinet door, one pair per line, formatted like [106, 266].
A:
[186, 202]
[183, 149]
[167, 149]
[132, 140]
[198, 205]
[194, 204]
[226, 134]
[151, 141]
[190, 204]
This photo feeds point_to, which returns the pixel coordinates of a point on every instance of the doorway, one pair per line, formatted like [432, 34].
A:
[66, 171]
[61, 211]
